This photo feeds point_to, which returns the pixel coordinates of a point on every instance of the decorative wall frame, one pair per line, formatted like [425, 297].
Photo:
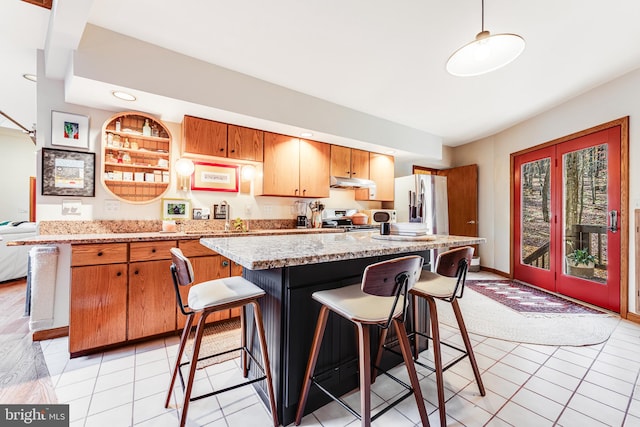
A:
[69, 130]
[68, 173]
[175, 209]
[215, 177]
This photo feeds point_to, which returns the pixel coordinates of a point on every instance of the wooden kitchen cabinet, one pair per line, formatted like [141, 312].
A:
[381, 171]
[204, 137]
[98, 295]
[152, 300]
[245, 143]
[295, 167]
[349, 162]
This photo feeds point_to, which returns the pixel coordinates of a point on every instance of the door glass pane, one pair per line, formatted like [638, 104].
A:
[536, 213]
[584, 183]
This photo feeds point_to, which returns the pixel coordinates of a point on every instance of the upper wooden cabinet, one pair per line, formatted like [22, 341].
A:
[245, 143]
[136, 153]
[295, 167]
[349, 162]
[381, 171]
[204, 137]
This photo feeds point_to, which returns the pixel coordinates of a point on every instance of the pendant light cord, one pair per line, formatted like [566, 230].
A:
[482, 15]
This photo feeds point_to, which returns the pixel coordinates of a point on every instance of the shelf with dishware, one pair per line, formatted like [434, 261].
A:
[136, 150]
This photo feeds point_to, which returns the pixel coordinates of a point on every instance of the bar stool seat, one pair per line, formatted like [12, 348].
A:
[206, 298]
[379, 300]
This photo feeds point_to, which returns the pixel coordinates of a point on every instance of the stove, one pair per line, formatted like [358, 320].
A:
[340, 218]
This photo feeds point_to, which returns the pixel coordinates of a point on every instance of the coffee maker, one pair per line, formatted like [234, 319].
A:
[301, 210]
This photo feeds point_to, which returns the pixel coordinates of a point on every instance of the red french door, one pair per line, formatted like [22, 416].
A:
[566, 225]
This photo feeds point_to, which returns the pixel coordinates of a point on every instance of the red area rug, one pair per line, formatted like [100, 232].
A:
[527, 299]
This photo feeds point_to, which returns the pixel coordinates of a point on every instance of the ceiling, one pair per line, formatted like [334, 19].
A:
[383, 58]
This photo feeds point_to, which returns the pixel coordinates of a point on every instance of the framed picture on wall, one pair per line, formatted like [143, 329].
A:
[68, 173]
[215, 177]
[176, 209]
[69, 130]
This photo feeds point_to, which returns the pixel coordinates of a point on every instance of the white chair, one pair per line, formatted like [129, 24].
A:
[207, 298]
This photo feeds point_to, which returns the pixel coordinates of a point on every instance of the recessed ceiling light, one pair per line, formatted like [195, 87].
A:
[123, 95]
[306, 134]
[30, 77]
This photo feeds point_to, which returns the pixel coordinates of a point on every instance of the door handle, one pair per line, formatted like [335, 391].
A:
[613, 221]
[471, 222]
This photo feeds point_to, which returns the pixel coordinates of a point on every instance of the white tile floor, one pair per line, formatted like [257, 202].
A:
[527, 385]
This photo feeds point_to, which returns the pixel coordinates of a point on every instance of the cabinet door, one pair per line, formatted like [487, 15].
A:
[359, 164]
[245, 143]
[98, 312]
[281, 168]
[381, 171]
[314, 175]
[340, 161]
[201, 136]
[152, 300]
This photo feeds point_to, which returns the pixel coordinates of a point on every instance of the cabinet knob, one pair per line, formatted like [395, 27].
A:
[153, 251]
[233, 151]
[304, 191]
[296, 191]
[119, 273]
[136, 272]
[222, 149]
[99, 253]
[225, 263]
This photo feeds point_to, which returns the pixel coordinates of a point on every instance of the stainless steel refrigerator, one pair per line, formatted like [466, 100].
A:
[423, 198]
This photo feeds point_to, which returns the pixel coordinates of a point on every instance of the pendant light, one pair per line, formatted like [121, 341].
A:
[485, 54]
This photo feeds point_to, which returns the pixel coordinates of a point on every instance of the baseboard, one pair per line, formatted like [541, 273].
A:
[494, 271]
[48, 334]
[635, 318]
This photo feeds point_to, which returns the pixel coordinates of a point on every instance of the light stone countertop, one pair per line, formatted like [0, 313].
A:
[78, 239]
[264, 252]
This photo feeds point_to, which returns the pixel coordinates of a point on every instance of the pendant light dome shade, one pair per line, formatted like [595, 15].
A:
[485, 54]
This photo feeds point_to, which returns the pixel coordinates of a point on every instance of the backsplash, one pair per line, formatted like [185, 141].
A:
[149, 226]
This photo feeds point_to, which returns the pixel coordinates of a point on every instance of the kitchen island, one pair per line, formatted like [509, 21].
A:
[290, 268]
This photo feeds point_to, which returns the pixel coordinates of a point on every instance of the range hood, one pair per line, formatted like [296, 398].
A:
[342, 182]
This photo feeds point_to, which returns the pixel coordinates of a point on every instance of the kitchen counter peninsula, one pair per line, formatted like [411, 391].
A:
[290, 268]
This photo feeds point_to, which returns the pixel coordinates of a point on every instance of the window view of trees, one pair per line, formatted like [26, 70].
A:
[584, 201]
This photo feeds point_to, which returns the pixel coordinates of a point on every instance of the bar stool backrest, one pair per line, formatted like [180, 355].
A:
[454, 263]
[392, 278]
[182, 273]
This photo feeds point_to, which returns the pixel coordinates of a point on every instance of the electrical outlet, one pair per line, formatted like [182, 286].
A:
[247, 210]
[111, 205]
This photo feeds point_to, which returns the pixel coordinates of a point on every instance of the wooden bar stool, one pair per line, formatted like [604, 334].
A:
[446, 284]
[207, 298]
[379, 300]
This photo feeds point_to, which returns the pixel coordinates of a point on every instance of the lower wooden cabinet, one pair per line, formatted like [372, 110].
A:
[152, 301]
[124, 291]
[98, 315]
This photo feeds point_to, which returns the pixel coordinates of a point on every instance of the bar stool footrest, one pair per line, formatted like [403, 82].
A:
[345, 405]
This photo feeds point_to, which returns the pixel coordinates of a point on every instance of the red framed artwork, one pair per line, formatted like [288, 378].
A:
[215, 177]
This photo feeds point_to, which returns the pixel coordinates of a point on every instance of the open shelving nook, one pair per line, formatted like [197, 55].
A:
[135, 167]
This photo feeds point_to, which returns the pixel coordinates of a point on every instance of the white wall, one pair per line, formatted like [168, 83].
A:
[17, 164]
[613, 100]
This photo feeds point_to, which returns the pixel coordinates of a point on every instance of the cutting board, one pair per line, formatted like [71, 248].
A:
[404, 238]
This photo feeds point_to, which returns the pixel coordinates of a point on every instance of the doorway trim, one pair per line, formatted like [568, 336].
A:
[624, 200]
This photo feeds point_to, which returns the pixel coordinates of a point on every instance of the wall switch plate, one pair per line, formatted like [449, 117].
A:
[111, 205]
[71, 207]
